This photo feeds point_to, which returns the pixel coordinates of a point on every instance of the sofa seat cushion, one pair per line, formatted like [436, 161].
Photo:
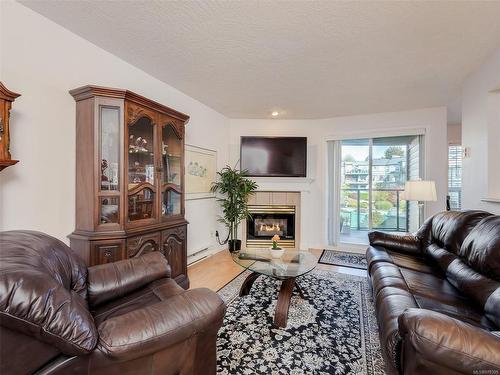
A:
[377, 254]
[428, 291]
[416, 283]
[432, 292]
[432, 286]
[155, 292]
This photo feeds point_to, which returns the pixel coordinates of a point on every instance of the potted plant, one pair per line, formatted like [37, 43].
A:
[235, 189]
[276, 251]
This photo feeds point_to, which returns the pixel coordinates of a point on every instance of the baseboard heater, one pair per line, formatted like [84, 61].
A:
[195, 254]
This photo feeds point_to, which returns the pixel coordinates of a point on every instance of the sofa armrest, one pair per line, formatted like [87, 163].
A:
[438, 339]
[112, 280]
[402, 243]
[159, 326]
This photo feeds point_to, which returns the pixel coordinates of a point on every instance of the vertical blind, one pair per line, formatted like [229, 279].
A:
[455, 176]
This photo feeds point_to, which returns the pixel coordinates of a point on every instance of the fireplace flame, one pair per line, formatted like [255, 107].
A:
[269, 228]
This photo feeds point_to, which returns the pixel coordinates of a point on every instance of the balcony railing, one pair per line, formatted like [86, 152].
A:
[389, 211]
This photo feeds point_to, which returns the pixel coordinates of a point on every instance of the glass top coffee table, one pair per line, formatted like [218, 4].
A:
[287, 268]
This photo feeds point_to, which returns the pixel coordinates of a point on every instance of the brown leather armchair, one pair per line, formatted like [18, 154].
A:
[57, 316]
[437, 295]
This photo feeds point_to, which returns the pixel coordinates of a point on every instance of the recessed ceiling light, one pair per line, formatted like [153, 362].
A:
[275, 113]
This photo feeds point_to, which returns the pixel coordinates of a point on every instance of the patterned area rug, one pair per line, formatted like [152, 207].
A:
[332, 331]
[343, 258]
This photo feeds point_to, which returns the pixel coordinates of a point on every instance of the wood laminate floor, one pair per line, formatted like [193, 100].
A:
[217, 270]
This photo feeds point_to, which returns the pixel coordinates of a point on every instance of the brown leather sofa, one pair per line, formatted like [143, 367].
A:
[59, 317]
[437, 295]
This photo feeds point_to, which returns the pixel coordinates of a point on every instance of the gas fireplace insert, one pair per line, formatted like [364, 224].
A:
[267, 221]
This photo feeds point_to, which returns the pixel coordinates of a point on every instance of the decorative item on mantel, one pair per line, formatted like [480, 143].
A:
[6, 99]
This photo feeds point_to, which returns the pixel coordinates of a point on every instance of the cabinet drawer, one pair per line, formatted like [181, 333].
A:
[140, 245]
[106, 253]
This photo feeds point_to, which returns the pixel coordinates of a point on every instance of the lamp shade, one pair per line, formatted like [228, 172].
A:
[420, 190]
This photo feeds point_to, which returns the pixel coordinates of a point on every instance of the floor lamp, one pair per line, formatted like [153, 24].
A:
[420, 191]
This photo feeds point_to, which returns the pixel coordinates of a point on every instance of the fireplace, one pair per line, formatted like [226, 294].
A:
[267, 221]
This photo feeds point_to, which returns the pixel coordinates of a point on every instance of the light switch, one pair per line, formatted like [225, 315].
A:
[466, 152]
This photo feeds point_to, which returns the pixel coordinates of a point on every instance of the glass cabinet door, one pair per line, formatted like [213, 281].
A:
[171, 176]
[109, 159]
[110, 147]
[141, 170]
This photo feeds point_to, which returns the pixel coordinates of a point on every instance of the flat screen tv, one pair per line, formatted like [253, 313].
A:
[274, 156]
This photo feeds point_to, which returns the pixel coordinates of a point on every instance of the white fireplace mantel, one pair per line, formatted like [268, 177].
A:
[491, 200]
[289, 184]
[284, 180]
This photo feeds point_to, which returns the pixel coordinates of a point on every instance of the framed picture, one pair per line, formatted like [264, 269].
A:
[201, 169]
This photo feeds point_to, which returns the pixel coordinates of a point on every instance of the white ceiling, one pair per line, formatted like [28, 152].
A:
[306, 59]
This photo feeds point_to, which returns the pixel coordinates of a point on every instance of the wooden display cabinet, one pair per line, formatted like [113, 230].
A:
[129, 179]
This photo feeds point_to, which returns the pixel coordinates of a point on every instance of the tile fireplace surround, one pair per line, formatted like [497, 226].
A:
[283, 209]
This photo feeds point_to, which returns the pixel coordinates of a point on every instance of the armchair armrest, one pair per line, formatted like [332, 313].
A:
[438, 339]
[402, 243]
[112, 280]
[159, 326]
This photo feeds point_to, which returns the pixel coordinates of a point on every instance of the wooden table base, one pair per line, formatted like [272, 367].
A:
[284, 297]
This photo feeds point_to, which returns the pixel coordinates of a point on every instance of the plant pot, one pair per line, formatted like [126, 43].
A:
[234, 245]
[276, 253]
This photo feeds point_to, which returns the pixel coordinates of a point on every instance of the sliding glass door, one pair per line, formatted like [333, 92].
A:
[372, 176]
[355, 189]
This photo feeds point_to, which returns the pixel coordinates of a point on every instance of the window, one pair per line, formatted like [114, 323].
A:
[455, 176]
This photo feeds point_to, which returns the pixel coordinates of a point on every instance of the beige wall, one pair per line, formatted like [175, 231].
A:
[42, 61]
[481, 134]
[454, 134]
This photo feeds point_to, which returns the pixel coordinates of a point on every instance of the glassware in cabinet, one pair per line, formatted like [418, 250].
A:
[141, 169]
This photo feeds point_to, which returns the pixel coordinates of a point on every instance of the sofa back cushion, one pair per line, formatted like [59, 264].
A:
[477, 272]
[482, 290]
[466, 247]
[449, 228]
[481, 247]
[42, 292]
